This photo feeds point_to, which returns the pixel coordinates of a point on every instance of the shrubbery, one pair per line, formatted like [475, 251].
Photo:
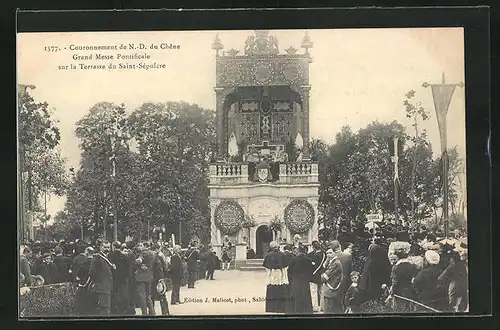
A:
[54, 300]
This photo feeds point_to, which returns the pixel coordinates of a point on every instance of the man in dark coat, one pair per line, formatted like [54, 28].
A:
[144, 280]
[332, 280]
[84, 300]
[346, 261]
[159, 275]
[176, 275]
[118, 300]
[47, 269]
[63, 264]
[318, 258]
[300, 271]
[192, 259]
[128, 251]
[210, 260]
[101, 278]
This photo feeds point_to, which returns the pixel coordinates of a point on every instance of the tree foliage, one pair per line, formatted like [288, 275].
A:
[41, 166]
[359, 175]
[161, 153]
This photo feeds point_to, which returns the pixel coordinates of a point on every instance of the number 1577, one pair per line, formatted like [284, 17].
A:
[51, 48]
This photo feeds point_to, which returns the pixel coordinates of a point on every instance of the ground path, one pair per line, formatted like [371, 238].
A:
[232, 292]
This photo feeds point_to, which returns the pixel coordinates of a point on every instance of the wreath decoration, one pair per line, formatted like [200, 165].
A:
[299, 216]
[229, 217]
[276, 224]
[249, 222]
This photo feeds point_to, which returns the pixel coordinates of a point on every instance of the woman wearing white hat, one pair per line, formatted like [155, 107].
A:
[429, 291]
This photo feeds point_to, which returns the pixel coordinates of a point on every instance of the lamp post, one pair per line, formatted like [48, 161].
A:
[442, 94]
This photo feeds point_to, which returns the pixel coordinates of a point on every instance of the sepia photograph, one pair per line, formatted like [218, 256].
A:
[242, 172]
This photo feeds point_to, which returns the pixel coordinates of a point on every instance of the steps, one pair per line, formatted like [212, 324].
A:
[253, 265]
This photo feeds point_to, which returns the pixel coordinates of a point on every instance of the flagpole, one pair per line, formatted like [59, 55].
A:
[442, 94]
[396, 179]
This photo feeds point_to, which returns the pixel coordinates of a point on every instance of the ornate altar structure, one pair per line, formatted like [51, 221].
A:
[263, 170]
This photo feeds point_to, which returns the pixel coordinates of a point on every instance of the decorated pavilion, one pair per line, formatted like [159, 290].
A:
[263, 185]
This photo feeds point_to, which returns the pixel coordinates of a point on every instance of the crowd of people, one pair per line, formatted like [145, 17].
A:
[385, 274]
[420, 274]
[116, 278]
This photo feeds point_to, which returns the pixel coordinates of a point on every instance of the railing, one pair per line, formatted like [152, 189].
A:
[244, 173]
[228, 173]
[301, 172]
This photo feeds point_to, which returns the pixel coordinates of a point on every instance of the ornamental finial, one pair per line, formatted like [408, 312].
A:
[261, 44]
[307, 43]
[217, 45]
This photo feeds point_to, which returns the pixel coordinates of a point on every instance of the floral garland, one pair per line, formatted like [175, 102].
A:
[229, 217]
[249, 222]
[299, 216]
[276, 224]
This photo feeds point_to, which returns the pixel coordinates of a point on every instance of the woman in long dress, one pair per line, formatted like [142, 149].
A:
[402, 275]
[277, 281]
[377, 271]
[300, 272]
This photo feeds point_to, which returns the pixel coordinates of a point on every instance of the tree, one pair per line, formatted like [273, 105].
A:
[419, 188]
[175, 144]
[359, 176]
[63, 227]
[417, 113]
[104, 142]
[41, 166]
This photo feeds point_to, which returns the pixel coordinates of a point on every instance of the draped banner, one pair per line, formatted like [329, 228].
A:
[442, 95]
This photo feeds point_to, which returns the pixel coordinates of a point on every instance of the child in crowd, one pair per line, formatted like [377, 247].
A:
[352, 296]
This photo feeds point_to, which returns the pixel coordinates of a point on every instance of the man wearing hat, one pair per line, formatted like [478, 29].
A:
[426, 284]
[159, 275]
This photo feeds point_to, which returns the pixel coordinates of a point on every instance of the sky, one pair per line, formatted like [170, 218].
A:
[357, 76]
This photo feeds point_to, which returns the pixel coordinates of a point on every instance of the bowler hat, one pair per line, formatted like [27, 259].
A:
[161, 288]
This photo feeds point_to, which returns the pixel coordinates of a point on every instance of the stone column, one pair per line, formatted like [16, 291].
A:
[305, 119]
[220, 96]
[214, 239]
[303, 91]
[314, 232]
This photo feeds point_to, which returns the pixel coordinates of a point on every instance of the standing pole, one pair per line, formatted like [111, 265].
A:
[115, 213]
[442, 94]
[115, 206]
[180, 232]
[105, 234]
[21, 92]
[395, 160]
